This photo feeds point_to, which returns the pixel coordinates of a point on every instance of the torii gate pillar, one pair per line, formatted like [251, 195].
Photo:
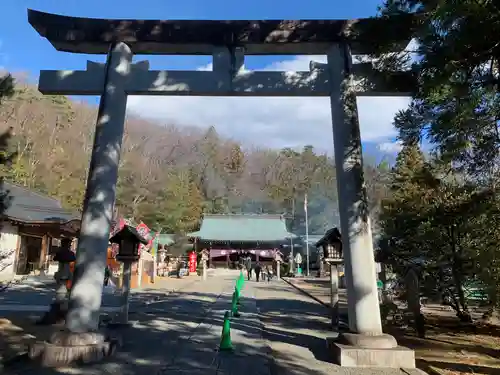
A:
[81, 338]
[84, 304]
[360, 347]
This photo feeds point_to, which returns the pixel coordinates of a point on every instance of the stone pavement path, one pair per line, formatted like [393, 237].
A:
[180, 335]
[17, 317]
[296, 328]
[36, 296]
[318, 289]
[280, 332]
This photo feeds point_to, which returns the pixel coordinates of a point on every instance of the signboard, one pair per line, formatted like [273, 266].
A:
[192, 262]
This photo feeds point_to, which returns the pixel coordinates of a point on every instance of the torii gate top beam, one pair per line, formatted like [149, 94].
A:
[190, 37]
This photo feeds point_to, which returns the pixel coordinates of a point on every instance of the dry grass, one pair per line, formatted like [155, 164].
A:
[451, 348]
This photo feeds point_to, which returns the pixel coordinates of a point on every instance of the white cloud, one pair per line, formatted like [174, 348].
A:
[390, 147]
[273, 122]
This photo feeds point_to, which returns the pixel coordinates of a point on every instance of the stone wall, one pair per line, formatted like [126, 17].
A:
[8, 245]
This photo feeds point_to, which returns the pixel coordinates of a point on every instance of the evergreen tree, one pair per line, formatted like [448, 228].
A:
[400, 219]
[456, 106]
[6, 154]
[437, 221]
[177, 208]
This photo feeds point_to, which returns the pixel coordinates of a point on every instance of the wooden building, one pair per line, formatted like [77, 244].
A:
[31, 229]
[233, 236]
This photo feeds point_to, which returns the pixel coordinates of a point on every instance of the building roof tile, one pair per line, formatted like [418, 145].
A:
[243, 228]
[30, 206]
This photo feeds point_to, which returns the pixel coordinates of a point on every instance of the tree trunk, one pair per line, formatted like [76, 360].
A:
[457, 271]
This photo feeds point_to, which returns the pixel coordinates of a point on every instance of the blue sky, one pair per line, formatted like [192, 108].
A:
[282, 122]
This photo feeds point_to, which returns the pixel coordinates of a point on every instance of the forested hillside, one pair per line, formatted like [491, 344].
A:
[169, 175]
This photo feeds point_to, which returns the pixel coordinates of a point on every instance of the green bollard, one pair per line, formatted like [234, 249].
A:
[238, 295]
[239, 286]
[234, 305]
[225, 338]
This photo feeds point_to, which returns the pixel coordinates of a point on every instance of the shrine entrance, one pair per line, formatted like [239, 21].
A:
[228, 42]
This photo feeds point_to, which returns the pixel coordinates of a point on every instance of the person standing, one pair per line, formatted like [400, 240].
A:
[269, 273]
[107, 275]
[248, 266]
[258, 268]
[179, 267]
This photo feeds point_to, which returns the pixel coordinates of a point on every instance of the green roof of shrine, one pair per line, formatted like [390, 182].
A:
[243, 228]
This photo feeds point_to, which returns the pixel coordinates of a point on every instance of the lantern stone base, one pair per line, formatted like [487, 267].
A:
[354, 350]
[56, 314]
[67, 348]
[117, 324]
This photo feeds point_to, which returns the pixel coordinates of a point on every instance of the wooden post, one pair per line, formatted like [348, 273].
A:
[139, 272]
[43, 254]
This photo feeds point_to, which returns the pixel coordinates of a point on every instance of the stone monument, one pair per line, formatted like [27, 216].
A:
[228, 42]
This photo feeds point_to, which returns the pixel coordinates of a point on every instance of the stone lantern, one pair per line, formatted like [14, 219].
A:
[58, 309]
[204, 262]
[330, 246]
[128, 240]
[278, 258]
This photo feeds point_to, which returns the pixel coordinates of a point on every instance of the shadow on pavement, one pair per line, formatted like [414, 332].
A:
[178, 334]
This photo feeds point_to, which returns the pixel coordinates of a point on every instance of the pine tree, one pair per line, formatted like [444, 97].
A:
[6, 154]
[6, 87]
[400, 242]
[438, 222]
[456, 105]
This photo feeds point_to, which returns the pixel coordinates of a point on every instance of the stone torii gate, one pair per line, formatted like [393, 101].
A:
[228, 42]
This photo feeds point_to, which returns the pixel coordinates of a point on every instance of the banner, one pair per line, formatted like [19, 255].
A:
[144, 231]
[192, 262]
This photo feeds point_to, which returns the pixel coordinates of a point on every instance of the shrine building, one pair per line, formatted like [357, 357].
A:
[229, 237]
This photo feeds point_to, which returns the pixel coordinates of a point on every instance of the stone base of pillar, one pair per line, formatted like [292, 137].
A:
[67, 348]
[117, 324]
[354, 350]
[56, 314]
